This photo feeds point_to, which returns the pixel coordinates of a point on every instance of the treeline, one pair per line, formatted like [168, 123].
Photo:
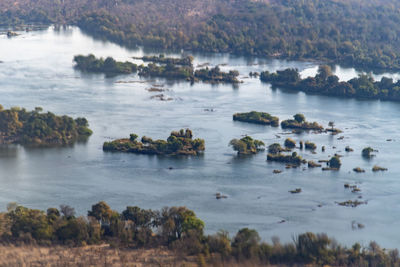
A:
[180, 229]
[325, 83]
[19, 126]
[353, 32]
[166, 69]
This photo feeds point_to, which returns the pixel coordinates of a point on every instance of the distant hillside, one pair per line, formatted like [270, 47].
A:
[361, 33]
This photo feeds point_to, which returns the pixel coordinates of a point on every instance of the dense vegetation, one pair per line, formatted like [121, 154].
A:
[299, 123]
[352, 32]
[284, 158]
[325, 83]
[178, 143]
[247, 145]
[179, 228]
[185, 61]
[111, 67]
[257, 117]
[18, 126]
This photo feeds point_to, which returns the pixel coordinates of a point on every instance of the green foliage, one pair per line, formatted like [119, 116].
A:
[18, 126]
[291, 159]
[334, 162]
[215, 75]
[299, 123]
[310, 145]
[109, 66]
[366, 152]
[325, 83]
[276, 148]
[247, 145]
[257, 117]
[178, 143]
[184, 61]
[290, 143]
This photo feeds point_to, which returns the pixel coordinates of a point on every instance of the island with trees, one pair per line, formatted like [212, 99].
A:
[247, 145]
[183, 61]
[299, 123]
[19, 126]
[166, 69]
[257, 118]
[325, 83]
[178, 143]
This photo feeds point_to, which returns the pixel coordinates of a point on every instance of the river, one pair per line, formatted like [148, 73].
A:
[37, 70]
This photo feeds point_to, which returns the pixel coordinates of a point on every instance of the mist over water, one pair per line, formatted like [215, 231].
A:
[37, 70]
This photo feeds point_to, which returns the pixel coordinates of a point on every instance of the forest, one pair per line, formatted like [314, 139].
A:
[178, 228]
[363, 34]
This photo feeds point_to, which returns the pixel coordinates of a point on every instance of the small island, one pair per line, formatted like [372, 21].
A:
[262, 118]
[178, 143]
[325, 83]
[108, 66]
[183, 61]
[247, 145]
[18, 126]
[299, 123]
[170, 68]
[292, 158]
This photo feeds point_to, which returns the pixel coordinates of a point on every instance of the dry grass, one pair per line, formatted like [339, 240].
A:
[99, 255]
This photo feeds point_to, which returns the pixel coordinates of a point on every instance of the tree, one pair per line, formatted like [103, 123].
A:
[334, 162]
[300, 118]
[245, 243]
[67, 211]
[324, 71]
[331, 124]
[102, 212]
[290, 143]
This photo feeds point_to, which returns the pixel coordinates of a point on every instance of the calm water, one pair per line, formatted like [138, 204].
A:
[37, 70]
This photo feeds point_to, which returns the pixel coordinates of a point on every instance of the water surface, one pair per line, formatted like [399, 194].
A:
[37, 70]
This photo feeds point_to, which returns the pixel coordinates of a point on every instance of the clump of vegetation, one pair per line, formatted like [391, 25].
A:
[325, 83]
[295, 191]
[215, 75]
[18, 126]
[367, 152]
[358, 169]
[184, 61]
[335, 162]
[310, 145]
[292, 159]
[108, 66]
[276, 148]
[348, 149]
[178, 143]
[290, 143]
[247, 145]
[377, 169]
[257, 117]
[166, 71]
[299, 123]
[351, 203]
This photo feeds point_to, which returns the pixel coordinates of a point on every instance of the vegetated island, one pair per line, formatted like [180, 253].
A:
[174, 229]
[183, 61]
[325, 83]
[18, 126]
[257, 118]
[299, 123]
[178, 143]
[247, 145]
[111, 67]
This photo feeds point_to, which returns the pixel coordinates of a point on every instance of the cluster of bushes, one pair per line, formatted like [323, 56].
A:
[290, 159]
[185, 61]
[178, 143]
[167, 69]
[179, 228]
[109, 66]
[325, 83]
[215, 75]
[299, 122]
[247, 145]
[18, 126]
[257, 117]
